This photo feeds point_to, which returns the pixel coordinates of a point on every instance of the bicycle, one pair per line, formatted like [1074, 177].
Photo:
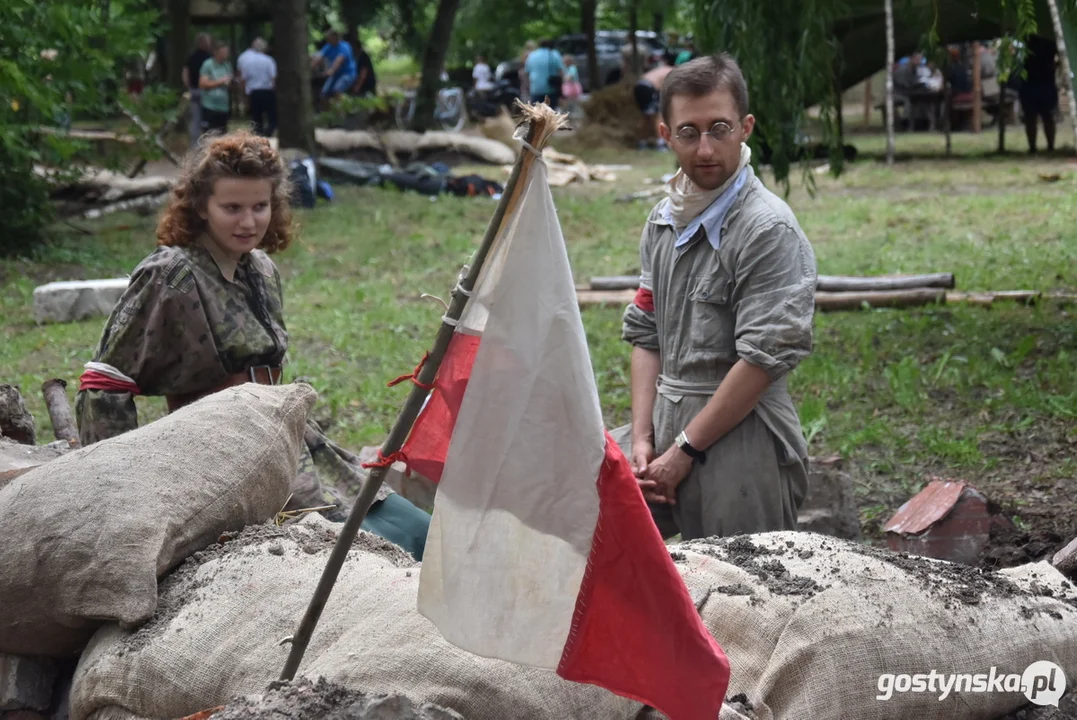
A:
[450, 111]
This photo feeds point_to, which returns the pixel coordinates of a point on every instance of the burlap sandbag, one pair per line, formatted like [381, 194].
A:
[223, 614]
[810, 622]
[84, 537]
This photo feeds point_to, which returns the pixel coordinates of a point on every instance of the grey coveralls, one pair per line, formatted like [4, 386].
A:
[753, 298]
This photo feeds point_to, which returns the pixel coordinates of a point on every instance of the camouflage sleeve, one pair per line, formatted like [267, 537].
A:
[140, 340]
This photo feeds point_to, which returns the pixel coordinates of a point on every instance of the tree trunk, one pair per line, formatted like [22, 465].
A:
[889, 8]
[409, 33]
[587, 27]
[64, 426]
[437, 47]
[633, 26]
[659, 22]
[295, 123]
[1060, 42]
[178, 50]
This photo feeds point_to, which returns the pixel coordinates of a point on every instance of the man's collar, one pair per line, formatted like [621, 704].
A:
[711, 219]
[225, 262]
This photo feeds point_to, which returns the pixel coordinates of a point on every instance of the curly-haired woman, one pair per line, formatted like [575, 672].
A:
[204, 311]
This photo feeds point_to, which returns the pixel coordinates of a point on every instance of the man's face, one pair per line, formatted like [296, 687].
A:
[332, 38]
[706, 161]
[221, 54]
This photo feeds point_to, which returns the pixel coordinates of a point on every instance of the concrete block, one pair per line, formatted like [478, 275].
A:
[72, 300]
[26, 683]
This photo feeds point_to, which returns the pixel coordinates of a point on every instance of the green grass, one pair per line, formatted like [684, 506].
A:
[988, 394]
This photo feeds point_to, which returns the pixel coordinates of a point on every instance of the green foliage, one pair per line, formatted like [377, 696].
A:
[354, 113]
[787, 52]
[59, 61]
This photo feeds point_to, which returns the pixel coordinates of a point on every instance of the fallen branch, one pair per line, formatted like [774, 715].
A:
[16, 422]
[827, 283]
[146, 202]
[64, 426]
[156, 136]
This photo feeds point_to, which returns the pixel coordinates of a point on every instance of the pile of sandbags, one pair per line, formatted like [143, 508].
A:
[223, 616]
[86, 536]
[811, 625]
[400, 147]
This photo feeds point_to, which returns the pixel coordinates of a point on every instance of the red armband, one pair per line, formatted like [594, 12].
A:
[644, 300]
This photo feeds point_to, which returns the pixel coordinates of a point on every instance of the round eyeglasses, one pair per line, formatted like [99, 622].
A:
[689, 136]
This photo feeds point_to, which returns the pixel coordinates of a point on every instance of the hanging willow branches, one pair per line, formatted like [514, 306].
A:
[789, 57]
[791, 51]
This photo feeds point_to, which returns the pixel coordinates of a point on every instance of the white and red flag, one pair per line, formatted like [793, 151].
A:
[541, 549]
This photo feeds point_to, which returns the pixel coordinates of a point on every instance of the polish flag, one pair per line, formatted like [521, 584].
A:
[541, 549]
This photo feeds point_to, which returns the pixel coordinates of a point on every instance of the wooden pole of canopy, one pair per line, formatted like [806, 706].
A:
[1060, 42]
[889, 7]
[977, 91]
[542, 122]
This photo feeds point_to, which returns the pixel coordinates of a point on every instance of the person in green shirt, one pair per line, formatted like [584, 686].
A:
[215, 80]
[688, 53]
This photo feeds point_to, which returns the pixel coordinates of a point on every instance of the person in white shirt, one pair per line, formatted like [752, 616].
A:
[258, 73]
[484, 78]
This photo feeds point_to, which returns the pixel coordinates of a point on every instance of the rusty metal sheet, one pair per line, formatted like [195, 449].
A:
[926, 508]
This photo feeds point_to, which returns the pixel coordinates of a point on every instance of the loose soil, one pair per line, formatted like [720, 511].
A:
[1015, 487]
[953, 583]
[329, 701]
[184, 584]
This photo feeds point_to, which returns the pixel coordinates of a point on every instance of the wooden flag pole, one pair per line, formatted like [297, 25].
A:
[542, 123]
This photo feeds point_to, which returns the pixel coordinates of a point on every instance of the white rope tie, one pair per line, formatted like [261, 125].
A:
[451, 322]
[529, 146]
[466, 293]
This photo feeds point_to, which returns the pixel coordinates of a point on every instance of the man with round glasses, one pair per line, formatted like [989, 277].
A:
[723, 313]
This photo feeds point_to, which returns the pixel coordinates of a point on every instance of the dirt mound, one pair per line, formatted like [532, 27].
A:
[185, 585]
[613, 118]
[329, 701]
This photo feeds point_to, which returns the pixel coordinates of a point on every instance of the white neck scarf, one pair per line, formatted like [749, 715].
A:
[686, 201]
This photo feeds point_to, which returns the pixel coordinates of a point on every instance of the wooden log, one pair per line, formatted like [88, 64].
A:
[64, 426]
[591, 298]
[834, 301]
[831, 301]
[842, 283]
[16, 422]
[827, 283]
[1065, 560]
[616, 282]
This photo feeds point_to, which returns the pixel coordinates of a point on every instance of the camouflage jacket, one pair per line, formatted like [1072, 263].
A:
[189, 318]
[185, 323]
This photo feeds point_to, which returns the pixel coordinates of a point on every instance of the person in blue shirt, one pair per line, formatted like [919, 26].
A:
[338, 55]
[545, 67]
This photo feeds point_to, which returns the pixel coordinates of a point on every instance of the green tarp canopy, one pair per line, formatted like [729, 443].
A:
[862, 31]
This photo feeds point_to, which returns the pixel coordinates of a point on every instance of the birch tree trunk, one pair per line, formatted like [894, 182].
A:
[1060, 41]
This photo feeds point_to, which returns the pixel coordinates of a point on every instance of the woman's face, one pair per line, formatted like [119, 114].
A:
[238, 214]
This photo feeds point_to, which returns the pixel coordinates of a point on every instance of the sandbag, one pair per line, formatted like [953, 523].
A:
[84, 537]
[222, 616]
[810, 622]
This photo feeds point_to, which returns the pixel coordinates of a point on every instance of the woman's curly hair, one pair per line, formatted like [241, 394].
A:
[239, 154]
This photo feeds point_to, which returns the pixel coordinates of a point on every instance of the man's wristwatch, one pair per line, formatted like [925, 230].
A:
[681, 441]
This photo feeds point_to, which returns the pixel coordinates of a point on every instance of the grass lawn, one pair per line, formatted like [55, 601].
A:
[984, 394]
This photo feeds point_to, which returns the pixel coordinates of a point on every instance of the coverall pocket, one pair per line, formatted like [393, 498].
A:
[712, 317]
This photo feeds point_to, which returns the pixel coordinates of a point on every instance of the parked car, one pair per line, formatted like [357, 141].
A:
[610, 61]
